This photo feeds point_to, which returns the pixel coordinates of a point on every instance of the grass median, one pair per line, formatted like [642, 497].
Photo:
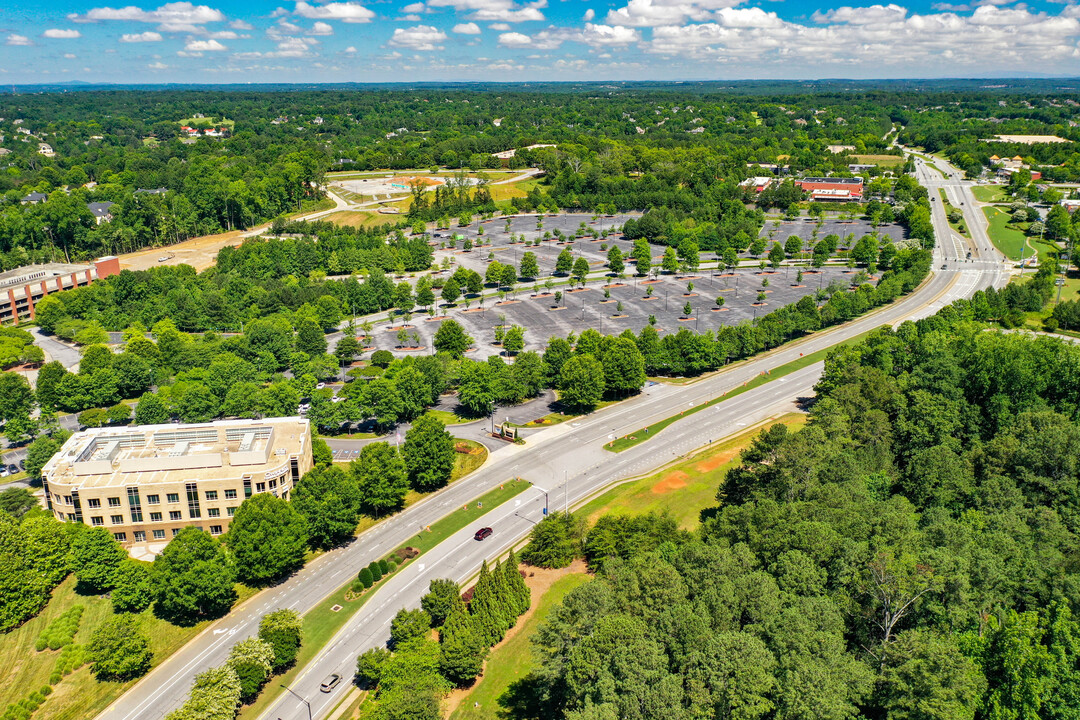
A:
[642, 434]
[322, 622]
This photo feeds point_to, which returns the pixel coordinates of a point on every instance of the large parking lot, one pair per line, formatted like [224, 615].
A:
[804, 228]
[533, 307]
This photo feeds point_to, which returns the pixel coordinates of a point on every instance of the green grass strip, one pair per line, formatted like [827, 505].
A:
[641, 435]
[321, 623]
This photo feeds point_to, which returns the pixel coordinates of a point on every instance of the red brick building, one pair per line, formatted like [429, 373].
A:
[21, 288]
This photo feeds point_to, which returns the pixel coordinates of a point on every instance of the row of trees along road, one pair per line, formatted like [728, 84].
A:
[412, 676]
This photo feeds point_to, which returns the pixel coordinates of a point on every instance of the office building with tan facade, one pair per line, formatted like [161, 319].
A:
[145, 483]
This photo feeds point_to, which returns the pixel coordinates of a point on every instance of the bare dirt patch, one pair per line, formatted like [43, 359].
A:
[710, 464]
[671, 482]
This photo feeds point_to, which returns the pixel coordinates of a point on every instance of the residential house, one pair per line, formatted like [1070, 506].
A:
[101, 211]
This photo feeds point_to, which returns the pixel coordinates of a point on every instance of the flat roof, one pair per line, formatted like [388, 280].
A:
[30, 273]
[832, 180]
[173, 452]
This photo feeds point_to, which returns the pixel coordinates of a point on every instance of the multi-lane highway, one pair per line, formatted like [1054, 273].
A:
[567, 461]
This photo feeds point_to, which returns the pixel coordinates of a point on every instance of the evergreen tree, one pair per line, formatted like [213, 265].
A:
[486, 607]
[519, 591]
[463, 650]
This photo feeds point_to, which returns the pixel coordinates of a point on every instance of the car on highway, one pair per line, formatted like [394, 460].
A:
[483, 533]
[330, 682]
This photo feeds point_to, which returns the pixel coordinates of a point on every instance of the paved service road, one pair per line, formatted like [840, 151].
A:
[564, 459]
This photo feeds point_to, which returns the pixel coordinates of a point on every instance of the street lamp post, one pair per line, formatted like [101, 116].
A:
[300, 698]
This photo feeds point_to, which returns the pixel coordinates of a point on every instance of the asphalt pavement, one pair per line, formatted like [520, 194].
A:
[566, 459]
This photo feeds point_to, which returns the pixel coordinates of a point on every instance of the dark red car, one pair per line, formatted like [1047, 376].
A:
[482, 533]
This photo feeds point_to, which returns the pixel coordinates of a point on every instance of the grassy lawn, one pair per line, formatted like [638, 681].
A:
[883, 160]
[357, 218]
[683, 490]
[321, 623]
[642, 434]
[513, 660]
[78, 695]
[465, 463]
[990, 193]
[1008, 238]
[450, 418]
[932, 166]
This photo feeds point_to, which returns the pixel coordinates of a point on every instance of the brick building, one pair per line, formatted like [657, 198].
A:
[22, 287]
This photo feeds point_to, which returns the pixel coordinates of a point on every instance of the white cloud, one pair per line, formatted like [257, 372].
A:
[170, 17]
[589, 15]
[350, 49]
[420, 37]
[241, 25]
[148, 36]
[416, 7]
[204, 46]
[350, 12]
[321, 28]
[885, 40]
[593, 35]
[158, 66]
[467, 29]
[21, 40]
[69, 56]
[515, 40]
[863, 15]
[58, 34]
[653, 13]
[499, 26]
[410, 18]
[495, 10]
[287, 47]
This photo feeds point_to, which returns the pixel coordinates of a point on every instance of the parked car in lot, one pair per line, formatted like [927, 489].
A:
[483, 533]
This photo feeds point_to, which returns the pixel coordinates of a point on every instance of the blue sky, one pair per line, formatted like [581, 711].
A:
[514, 40]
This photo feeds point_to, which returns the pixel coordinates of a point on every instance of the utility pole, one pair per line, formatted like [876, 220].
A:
[301, 699]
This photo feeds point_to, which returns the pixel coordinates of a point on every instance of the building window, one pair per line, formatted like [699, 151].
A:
[215, 529]
[211, 494]
[93, 503]
[193, 500]
[174, 515]
[134, 504]
[230, 511]
[153, 499]
[60, 516]
[260, 487]
[230, 494]
[175, 532]
[159, 534]
[273, 484]
[213, 512]
[173, 497]
[96, 521]
[155, 517]
[120, 536]
[140, 536]
[114, 502]
[247, 487]
[117, 519]
[67, 499]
